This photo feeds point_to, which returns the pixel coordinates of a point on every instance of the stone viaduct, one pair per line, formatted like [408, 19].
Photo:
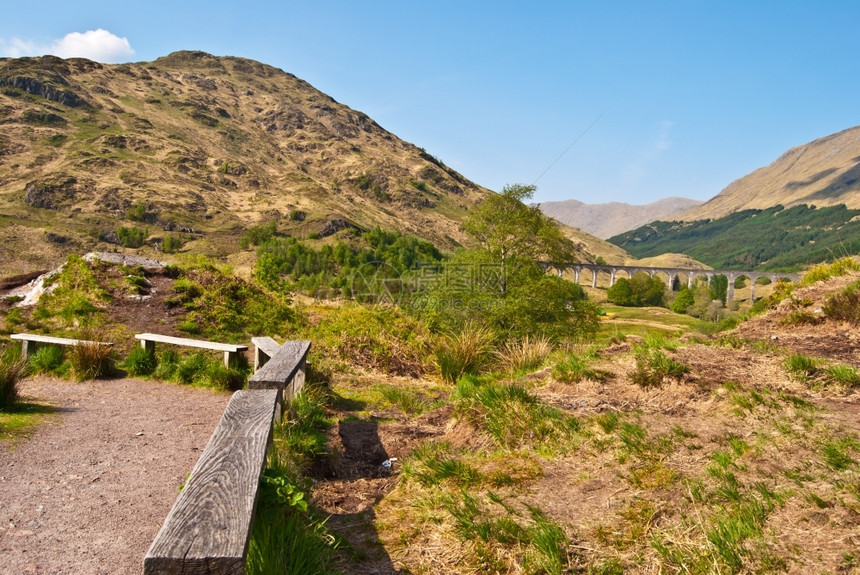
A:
[689, 273]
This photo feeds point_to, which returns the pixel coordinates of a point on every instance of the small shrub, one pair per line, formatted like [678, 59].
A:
[133, 237]
[12, 370]
[172, 243]
[844, 305]
[140, 362]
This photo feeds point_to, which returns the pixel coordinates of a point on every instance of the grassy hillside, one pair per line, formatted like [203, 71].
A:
[824, 172]
[775, 239]
[200, 147]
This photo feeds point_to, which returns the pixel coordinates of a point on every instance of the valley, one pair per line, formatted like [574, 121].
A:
[464, 410]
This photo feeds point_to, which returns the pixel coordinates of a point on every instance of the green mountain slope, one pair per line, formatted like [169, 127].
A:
[775, 239]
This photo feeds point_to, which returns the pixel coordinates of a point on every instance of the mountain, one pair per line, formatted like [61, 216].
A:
[774, 239]
[802, 209]
[201, 146]
[613, 218]
[824, 172]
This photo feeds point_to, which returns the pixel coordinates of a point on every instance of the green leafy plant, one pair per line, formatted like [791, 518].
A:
[140, 362]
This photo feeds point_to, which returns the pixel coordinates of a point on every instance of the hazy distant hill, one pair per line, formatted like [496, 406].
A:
[607, 220]
[203, 145]
[824, 172]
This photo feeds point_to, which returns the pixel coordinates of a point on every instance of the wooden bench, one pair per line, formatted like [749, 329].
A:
[231, 351]
[29, 342]
[208, 528]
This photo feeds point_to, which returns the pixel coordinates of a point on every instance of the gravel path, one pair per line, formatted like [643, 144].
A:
[88, 491]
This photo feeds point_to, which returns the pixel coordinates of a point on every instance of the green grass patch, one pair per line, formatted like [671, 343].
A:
[19, 419]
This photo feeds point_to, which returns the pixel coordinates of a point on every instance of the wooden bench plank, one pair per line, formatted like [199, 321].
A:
[264, 349]
[203, 344]
[284, 371]
[208, 528]
[27, 339]
[147, 341]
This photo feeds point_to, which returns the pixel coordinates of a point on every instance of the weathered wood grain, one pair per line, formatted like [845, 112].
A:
[284, 371]
[208, 528]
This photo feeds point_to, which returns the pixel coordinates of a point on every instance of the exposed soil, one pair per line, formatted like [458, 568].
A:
[89, 490]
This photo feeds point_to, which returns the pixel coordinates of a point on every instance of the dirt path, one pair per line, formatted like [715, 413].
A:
[87, 493]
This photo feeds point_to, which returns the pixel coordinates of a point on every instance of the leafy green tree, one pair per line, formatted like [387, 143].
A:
[640, 290]
[506, 228]
[719, 287]
[504, 287]
[620, 293]
[683, 301]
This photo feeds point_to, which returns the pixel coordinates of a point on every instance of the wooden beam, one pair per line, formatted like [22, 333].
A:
[208, 528]
[280, 371]
[264, 349]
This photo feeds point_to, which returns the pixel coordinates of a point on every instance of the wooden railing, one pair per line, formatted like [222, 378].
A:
[208, 528]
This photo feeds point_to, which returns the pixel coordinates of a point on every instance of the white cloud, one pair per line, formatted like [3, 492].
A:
[99, 45]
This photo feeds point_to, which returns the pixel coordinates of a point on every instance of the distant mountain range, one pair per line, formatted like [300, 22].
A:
[610, 219]
[802, 209]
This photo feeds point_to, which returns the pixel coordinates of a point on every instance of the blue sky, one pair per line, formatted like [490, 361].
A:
[666, 98]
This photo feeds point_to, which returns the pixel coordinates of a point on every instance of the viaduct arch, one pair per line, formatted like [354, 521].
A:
[689, 273]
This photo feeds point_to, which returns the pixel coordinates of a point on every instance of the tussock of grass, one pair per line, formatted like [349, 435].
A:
[575, 368]
[653, 366]
[12, 370]
[522, 354]
[511, 415]
[90, 359]
[464, 352]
